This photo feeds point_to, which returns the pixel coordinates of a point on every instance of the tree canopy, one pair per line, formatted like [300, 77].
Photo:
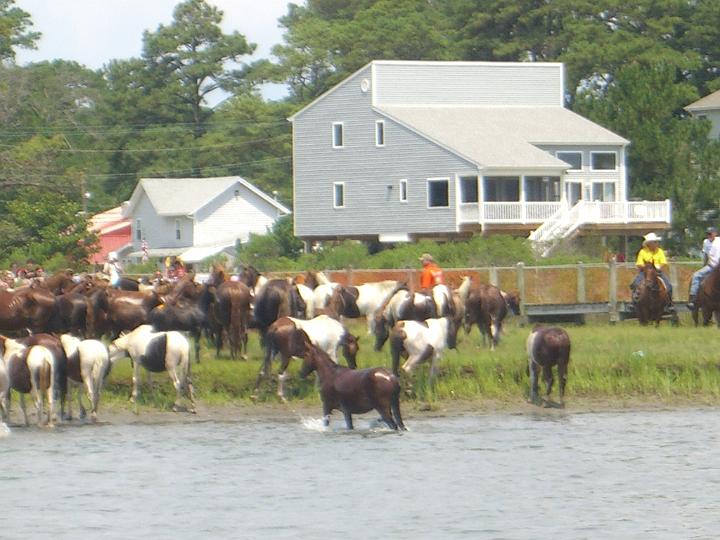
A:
[66, 129]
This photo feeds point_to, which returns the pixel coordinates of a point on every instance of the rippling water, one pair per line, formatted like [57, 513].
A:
[605, 475]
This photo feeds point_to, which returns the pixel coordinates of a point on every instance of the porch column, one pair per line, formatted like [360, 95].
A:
[523, 208]
[481, 198]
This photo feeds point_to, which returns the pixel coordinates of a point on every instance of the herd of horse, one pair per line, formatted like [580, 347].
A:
[59, 327]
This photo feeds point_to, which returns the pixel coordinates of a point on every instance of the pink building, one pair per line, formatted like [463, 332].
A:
[113, 232]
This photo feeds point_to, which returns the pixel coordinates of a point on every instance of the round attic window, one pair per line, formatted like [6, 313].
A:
[365, 85]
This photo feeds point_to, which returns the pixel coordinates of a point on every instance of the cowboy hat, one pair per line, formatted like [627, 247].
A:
[651, 237]
[426, 257]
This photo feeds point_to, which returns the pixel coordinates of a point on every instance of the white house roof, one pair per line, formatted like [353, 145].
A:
[711, 101]
[185, 196]
[503, 137]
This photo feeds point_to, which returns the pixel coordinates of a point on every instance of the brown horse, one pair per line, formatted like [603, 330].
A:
[353, 391]
[652, 296]
[231, 310]
[487, 307]
[546, 347]
[708, 298]
[60, 282]
[28, 308]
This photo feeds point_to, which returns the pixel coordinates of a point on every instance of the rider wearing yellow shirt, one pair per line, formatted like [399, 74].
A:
[652, 253]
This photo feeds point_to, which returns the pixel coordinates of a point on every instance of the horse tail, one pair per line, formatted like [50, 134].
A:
[397, 346]
[395, 404]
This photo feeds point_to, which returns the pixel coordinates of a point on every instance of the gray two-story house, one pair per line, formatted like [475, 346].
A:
[401, 150]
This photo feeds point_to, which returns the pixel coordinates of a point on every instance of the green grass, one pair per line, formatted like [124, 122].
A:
[615, 364]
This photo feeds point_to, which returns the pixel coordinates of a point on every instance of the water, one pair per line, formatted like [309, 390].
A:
[603, 475]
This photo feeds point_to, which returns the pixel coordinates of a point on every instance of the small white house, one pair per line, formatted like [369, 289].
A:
[195, 218]
[708, 108]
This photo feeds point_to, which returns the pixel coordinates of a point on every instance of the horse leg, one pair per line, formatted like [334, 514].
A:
[135, 383]
[534, 369]
[348, 418]
[24, 409]
[548, 377]
[177, 383]
[196, 338]
[92, 394]
[327, 411]
[433, 369]
[562, 376]
[265, 371]
[50, 406]
[707, 315]
[395, 408]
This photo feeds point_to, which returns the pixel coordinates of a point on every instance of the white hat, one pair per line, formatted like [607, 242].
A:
[651, 237]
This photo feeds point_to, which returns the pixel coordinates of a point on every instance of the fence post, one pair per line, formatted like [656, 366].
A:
[612, 292]
[349, 275]
[581, 283]
[674, 281]
[494, 276]
[521, 291]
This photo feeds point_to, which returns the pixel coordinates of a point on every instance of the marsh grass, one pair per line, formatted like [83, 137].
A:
[619, 363]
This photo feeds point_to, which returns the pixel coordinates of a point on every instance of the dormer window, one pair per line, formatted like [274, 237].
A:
[338, 137]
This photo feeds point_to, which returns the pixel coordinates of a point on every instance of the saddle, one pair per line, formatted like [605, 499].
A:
[661, 286]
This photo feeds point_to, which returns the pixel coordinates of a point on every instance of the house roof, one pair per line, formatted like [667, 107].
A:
[185, 196]
[711, 101]
[503, 137]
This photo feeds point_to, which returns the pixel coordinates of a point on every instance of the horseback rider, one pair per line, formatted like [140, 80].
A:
[711, 256]
[431, 274]
[112, 269]
[652, 253]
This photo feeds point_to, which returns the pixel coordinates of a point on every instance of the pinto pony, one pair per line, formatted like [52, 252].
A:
[156, 352]
[287, 335]
[487, 308]
[88, 364]
[420, 342]
[547, 347]
[353, 391]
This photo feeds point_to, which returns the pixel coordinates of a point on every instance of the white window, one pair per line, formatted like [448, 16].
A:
[138, 229]
[177, 229]
[403, 190]
[338, 138]
[603, 161]
[339, 195]
[603, 191]
[379, 133]
[438, 192]
[574, 159]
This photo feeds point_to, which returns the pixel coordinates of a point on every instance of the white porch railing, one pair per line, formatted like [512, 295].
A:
[507, 212]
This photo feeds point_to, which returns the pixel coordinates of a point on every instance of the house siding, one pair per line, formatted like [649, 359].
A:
[228, 217]
[371, 208]
[451, 84]
[159, 231]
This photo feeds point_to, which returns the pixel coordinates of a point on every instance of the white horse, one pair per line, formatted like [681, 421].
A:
[156, 352]
[89, 358]
[422, 341]
[321, 295]
[372, 296]
[306, 293]
[325, 333]
[41, 363]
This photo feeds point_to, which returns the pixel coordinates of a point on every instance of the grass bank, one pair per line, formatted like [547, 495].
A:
[611, 366]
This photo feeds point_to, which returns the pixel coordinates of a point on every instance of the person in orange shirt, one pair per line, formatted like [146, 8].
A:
[431, 274]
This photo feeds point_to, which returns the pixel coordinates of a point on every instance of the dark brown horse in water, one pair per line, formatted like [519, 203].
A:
[353, 391]
[708, 298]
[652, 296]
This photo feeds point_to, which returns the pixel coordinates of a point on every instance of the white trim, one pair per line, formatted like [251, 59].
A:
[401, 183]
[377, 124]
[571, 152]
[427, 187]
[334, 193]
[593, 152]
[529, 65]
[342, 134]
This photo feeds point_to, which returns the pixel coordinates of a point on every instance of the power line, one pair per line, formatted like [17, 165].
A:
[140, 150]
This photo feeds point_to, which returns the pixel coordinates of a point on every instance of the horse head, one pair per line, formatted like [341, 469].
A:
[512, 299]
[350, 347]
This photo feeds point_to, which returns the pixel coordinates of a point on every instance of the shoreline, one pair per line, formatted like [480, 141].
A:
[115, 414]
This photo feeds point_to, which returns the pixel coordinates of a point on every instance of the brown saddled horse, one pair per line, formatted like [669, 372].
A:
[652, 296]
[708, 298]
